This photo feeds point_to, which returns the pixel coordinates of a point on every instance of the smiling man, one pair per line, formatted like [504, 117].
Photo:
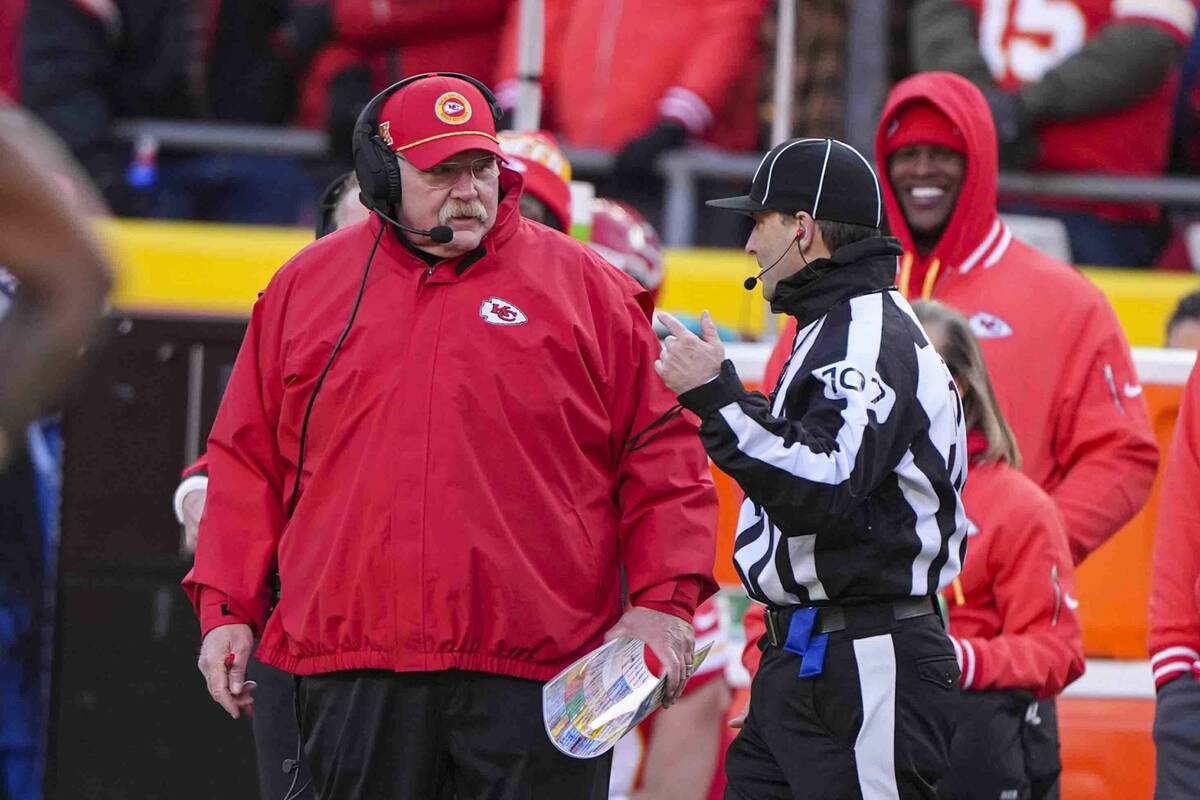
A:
[452, 448]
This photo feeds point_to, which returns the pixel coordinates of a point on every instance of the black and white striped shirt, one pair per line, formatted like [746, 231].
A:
[853, 470]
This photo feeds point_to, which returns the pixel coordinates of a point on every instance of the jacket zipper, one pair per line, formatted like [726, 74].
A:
[1057, 594]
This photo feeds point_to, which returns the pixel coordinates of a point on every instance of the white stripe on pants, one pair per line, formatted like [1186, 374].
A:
[875, 747]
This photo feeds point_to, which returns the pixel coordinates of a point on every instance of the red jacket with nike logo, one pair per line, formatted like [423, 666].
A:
[1057, 355]
[474, 479]
[1012, 616]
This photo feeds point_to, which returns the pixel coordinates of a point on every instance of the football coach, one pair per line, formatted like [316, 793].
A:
[852, 470]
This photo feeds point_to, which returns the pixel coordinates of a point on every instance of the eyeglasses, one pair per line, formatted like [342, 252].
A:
[448, 173]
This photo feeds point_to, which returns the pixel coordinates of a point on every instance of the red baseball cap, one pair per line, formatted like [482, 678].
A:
[922, 122]
[434, 118]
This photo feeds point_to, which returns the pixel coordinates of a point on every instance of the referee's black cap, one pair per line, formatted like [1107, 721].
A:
[827, 178]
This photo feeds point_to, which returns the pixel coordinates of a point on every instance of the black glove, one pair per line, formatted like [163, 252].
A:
[309, 26]
[1014, 133]
[640, 154]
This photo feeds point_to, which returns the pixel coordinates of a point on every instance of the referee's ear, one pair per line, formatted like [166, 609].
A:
[809, 236]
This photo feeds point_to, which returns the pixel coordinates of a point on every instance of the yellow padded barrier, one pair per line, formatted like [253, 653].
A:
[219, 269]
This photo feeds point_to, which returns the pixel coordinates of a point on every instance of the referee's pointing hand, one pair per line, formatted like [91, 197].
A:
[687, 360]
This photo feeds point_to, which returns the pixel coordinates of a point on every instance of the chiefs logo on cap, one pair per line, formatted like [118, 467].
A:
[385, 133]
[452, 108]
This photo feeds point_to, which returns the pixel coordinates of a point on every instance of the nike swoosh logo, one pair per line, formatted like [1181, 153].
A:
[1133, 389]
[1072, 603]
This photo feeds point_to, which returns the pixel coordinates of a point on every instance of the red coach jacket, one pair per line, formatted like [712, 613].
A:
[614, 68]
[1012, 617]
[1175, 588]
[1057, 355]
[481, 461]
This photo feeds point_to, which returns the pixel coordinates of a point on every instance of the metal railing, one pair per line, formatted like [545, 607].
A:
[681, 170]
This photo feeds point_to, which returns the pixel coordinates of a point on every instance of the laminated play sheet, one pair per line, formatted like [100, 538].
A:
[594, 702]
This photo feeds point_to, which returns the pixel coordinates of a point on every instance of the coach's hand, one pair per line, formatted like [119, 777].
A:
[226, 678]
[688, 361]
[670, 638]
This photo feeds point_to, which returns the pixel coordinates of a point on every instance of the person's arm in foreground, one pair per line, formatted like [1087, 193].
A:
[64, 278]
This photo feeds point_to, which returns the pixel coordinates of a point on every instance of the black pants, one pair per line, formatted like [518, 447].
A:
[376, 735]
[1177, 740]
[1043, 759]
[877, 722]
[987, 756]
[276, 733]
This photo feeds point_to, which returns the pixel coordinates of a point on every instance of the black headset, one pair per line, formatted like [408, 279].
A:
[375, 163]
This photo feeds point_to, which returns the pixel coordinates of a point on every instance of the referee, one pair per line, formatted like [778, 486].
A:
[852, 471]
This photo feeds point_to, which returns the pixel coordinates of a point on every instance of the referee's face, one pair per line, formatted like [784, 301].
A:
[773, 242]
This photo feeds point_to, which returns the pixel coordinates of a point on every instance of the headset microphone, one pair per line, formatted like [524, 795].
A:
[440, 234]
[752, 281]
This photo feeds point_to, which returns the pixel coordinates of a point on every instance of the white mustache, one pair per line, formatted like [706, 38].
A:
[453, 209]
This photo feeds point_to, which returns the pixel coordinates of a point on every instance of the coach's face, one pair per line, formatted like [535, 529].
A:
[461, 192]
[926, 179]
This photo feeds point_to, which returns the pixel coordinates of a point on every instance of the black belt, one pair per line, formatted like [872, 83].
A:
[833, 618]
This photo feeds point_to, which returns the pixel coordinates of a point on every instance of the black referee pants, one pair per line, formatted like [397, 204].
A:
[379, 735]
[876, 724]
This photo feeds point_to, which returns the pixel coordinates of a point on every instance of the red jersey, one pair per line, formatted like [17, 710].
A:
[1061, 366]
[1021, 40]
[1175, 588]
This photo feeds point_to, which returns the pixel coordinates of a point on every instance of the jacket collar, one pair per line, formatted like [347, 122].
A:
[860, 268]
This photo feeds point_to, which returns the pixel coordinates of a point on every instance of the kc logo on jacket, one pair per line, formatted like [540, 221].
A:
[989, 326]
[501, 312]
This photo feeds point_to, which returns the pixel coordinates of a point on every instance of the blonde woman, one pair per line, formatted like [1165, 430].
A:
[1011, 615]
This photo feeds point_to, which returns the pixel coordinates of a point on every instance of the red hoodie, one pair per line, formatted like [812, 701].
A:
[1058, 358]
[1012, 617]
[1175, 587]
[481, 462]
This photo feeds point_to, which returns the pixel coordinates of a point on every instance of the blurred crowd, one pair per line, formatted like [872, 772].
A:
[1095, 87]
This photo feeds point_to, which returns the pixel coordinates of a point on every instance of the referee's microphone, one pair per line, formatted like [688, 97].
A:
[440, 234]
[752, 281]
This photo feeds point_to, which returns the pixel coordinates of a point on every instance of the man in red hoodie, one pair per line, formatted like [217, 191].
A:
[1061, 365]
[1053, 344]
[444, 432]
